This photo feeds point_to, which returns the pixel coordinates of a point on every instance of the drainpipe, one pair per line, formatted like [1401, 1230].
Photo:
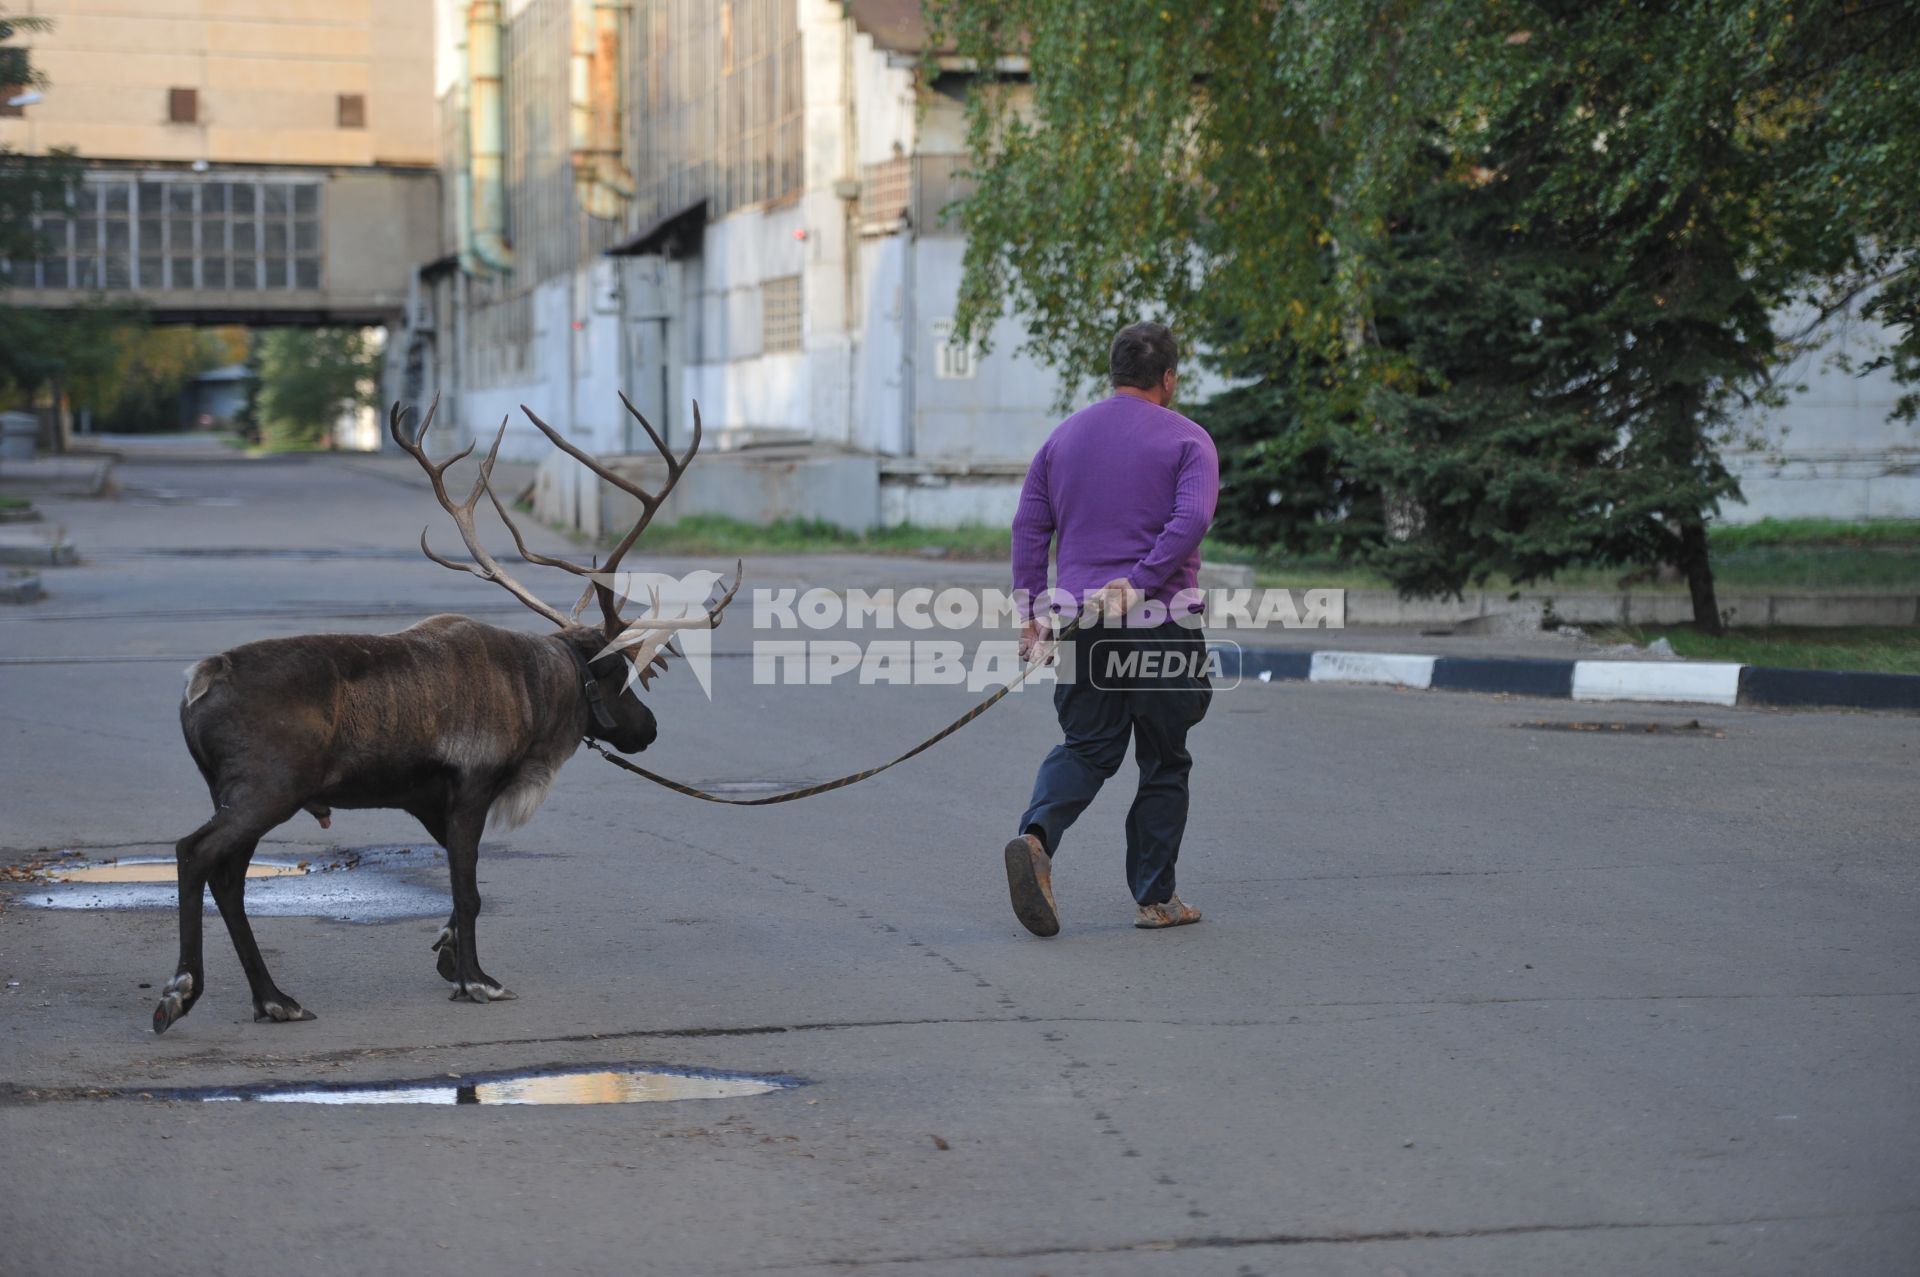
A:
[850, 222]
[601, 182]
[910, 342]
[462, 177]
[486, 136]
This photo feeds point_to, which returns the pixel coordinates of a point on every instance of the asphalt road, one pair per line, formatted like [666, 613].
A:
[1470, 997]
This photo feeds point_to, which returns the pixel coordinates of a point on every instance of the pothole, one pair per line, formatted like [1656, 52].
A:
[594, 1084]
[348, 884]
[1692, 727]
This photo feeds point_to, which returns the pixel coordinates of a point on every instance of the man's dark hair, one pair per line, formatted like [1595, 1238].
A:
[1142, 355]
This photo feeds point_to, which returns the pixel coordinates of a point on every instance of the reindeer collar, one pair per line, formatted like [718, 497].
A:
[590, 688]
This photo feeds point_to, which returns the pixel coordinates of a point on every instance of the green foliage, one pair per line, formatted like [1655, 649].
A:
[1502, 270]
[1284, 484]
[28, 183]
[1820, 532]
[40, 349]
[153, 366]
[1880, 649]
[309, 377]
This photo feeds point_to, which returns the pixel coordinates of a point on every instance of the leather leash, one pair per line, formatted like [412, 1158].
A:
[794, 795]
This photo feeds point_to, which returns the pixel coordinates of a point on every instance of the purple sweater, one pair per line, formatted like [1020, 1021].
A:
[1130, 488]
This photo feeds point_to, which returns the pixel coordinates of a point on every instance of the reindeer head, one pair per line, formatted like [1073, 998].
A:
[619, 657]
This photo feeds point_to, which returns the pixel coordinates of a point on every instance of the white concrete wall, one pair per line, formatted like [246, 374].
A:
[882, 366]
[1831, 452]
[886, 101]
[573, 377]
[1006, 409]
[865, 378]
[943, 501]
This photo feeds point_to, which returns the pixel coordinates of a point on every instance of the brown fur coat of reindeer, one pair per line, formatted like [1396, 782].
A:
[456, 722]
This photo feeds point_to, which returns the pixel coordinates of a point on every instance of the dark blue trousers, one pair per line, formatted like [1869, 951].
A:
[1149, 685]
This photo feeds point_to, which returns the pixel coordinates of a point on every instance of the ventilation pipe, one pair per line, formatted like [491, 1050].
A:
[486, 175]
[601, 182]
[462, 174]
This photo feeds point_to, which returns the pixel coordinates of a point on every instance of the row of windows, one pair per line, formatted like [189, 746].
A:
[122, 233]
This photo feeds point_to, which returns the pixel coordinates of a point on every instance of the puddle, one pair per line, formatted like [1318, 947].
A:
[363, 884]
[154, 871]
[597, 1084]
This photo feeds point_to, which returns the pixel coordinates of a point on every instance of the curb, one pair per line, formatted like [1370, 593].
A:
[1673, 682]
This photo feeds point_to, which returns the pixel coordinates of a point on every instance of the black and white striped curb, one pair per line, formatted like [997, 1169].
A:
[1685, 682]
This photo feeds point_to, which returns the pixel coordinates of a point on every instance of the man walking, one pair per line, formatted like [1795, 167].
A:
[1129, 487]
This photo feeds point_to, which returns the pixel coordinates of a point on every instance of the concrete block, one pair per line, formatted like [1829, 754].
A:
[17, 585]
[1844, 609]
[1710, 683]
[36, 547]
[54, 477]
[1389, 668]
[838, 488]
[19, 436]
[1384, 607]
[1225, 576]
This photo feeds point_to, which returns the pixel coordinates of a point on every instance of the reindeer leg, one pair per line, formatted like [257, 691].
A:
[229, 882]
[197, 856]
[463, 862]
[189, 981]
[447, 950]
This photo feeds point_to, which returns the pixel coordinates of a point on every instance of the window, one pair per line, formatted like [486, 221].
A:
[156, 230]
[886, 191]
[353, 111]
[781, 321]
[183, 106]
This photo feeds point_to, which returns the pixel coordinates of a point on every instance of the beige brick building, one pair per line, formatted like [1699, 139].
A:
[247, 161]
[280, 82]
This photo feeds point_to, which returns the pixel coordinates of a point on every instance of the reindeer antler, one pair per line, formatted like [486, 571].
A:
[484, 565]
[648, 639]
[651, 639]
[650, 502]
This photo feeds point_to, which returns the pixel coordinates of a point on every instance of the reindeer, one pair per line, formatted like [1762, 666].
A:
[456, 722]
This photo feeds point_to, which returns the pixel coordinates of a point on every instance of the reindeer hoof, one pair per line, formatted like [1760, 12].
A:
[482, 992]
[175, 1000]
[285, 1011]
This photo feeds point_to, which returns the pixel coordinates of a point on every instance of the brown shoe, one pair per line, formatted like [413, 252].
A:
[1174, 913]
[1030, 884]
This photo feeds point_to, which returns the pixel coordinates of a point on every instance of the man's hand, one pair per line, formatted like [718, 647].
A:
[1036, 642]
[1116, 598]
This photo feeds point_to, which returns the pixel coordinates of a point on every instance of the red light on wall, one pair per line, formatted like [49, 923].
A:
[801, 233]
